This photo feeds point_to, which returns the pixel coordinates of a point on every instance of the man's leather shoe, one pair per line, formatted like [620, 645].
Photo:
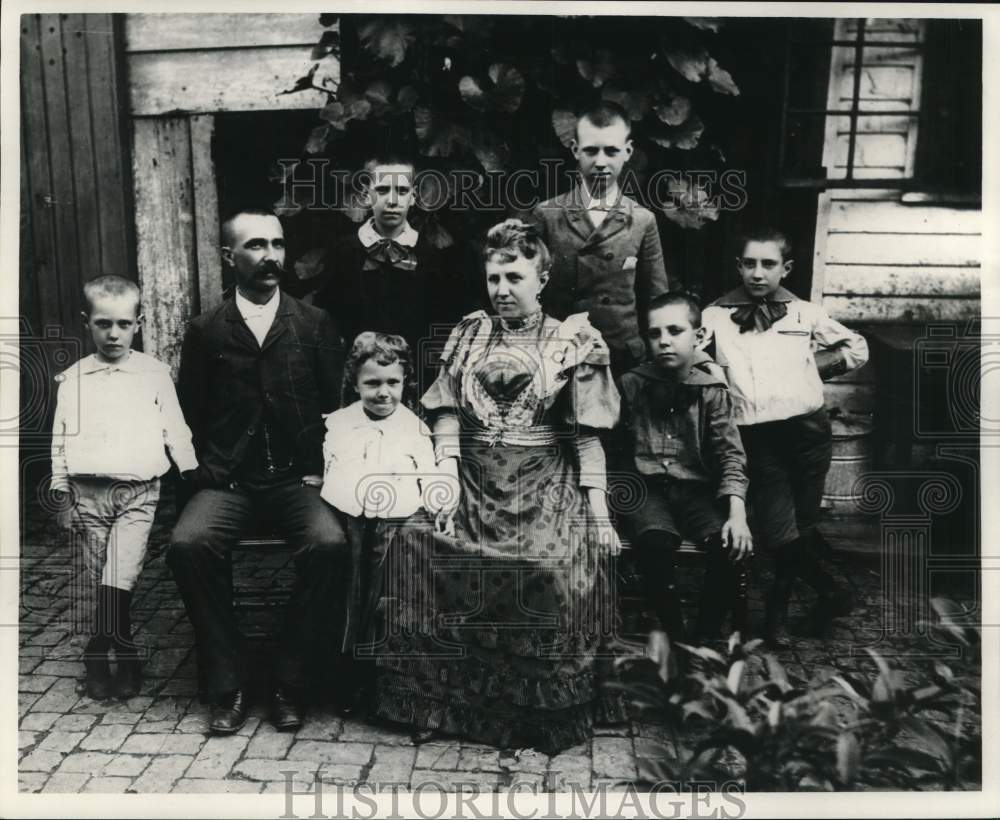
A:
[286, 715]
[128, 677]
[98, 677]
[229, 713]
[421, 736]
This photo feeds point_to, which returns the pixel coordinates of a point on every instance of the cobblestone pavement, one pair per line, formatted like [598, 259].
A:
[156, 742]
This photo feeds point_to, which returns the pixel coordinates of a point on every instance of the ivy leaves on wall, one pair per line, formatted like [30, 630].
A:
[498, 93]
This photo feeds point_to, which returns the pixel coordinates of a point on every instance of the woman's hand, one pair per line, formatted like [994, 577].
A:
[443, 496]
[607, 535]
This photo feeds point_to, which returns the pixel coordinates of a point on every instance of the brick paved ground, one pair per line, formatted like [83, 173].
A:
[157, 743]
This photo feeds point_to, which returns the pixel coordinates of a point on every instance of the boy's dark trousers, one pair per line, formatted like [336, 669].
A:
[657, 554]
[788, 461]
[207, 529]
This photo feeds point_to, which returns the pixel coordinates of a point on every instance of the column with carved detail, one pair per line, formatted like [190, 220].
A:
[906, 503]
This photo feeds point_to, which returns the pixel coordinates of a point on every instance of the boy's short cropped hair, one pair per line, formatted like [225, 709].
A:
[110, 285]
[512, 238]
[766, 233]
[677, 297]
[377, 160]
[604, 114]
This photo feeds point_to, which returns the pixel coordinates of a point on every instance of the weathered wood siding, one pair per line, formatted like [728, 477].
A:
[183, 70]
[876, 257]
[165, 207]
[204, 63]
[76, 197]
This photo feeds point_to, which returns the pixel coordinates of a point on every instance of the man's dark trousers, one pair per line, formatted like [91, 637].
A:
[211, 523]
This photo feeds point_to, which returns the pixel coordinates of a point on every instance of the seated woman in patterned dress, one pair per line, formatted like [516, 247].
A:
[495, 612]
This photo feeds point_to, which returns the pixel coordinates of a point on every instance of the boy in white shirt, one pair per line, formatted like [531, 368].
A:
[776, 350]
[116, 416]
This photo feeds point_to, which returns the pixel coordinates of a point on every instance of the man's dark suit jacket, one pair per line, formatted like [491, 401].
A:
[226, 379]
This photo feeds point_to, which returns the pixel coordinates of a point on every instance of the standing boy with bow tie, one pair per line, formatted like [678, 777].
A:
[388, 277]
[776, 350]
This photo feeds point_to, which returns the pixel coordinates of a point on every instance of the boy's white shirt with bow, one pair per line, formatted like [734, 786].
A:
[381, 468]
[772, 374]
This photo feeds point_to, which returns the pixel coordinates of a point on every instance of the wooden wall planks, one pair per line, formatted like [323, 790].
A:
[206, 213]
[172, 32]
[164, 207]
[168, 83]
[76, 220]
[78, 225]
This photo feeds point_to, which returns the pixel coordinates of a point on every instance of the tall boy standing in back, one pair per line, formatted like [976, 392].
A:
[606, 254]
[776, 350]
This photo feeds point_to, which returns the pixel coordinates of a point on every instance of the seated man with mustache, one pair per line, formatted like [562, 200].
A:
[257, 374]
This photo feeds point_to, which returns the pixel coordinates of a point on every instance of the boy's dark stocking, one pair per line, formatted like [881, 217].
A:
[832, 600]
[786, 562]
[128, 675]
[95, 658]
[809, 567]
[720, 589]
[657, 551]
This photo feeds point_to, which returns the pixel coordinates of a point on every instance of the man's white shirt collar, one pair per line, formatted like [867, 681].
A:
[250, 309]
[369, 235]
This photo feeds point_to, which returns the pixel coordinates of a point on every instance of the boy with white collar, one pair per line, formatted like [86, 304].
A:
[388, 277]
[607, 258]
[684, 445]
[117, 417]
[776, 350]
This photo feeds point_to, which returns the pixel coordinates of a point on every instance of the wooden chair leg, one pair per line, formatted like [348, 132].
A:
[741, 620]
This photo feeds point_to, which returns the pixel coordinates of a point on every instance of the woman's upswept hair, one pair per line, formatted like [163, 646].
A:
[384, 348]
[512, 238]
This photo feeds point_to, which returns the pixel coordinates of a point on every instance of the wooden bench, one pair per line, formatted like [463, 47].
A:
[271, 595]
[263, 597]
[633, 598]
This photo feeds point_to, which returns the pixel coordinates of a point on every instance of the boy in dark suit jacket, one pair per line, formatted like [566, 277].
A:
[388, 277]
[606, 252]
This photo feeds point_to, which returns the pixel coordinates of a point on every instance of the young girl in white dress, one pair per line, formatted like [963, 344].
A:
[379, 469]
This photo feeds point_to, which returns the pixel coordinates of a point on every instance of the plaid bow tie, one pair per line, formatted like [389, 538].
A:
[759, 315]
[389, 252]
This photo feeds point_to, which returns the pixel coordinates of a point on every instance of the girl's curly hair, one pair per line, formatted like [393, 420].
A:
[384, 348]
[512, 238]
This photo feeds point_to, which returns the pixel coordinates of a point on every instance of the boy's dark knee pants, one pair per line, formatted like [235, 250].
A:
[788, 462]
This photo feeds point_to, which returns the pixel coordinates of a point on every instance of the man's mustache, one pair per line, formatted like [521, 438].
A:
[272, 267]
